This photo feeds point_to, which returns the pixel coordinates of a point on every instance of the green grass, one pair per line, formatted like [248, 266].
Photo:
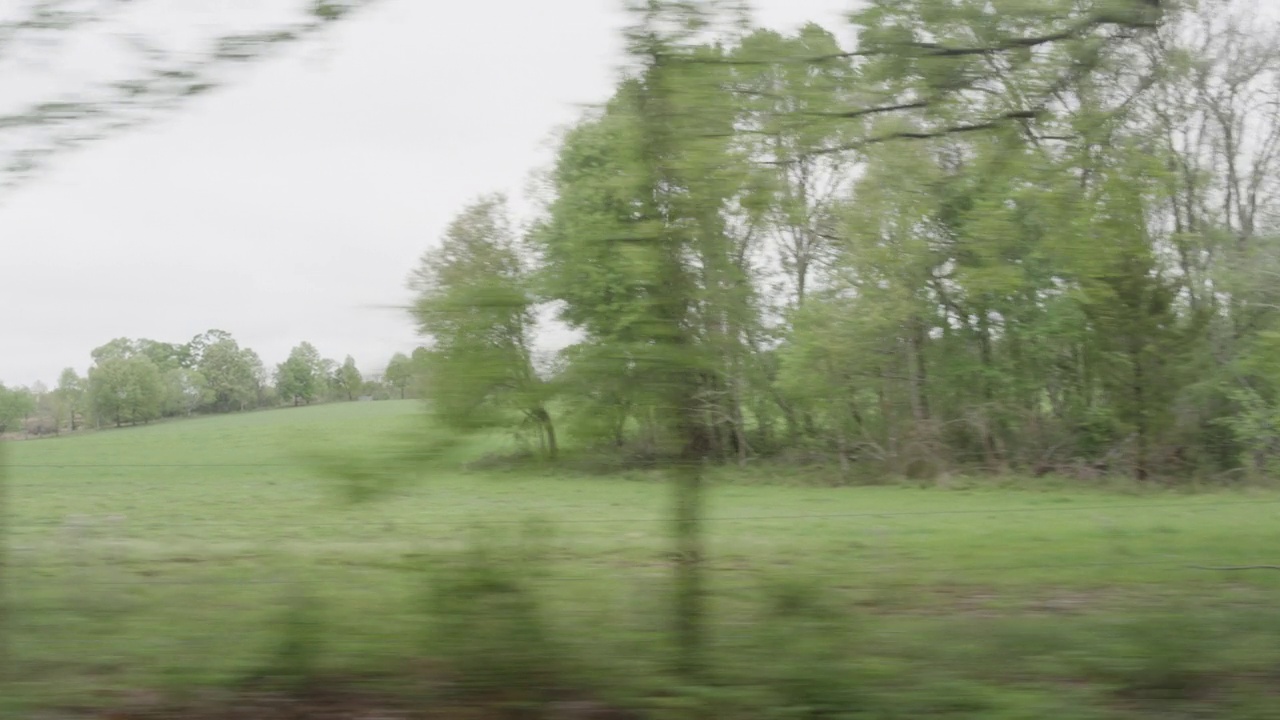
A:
[205, 552]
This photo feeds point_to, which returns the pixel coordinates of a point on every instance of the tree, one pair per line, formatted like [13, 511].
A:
[327, 374]
[230, 373]
[185, 392]
[259, 385]
[473, 302]
[166, 356]
[677, 230]
[15, 405]
[46, 414]
[70, 397]
[377, 388]
[348, 379]
[399, 374]
[117, 349]
[126, 390]
[806, 170]
[196, 347]
[300, 377]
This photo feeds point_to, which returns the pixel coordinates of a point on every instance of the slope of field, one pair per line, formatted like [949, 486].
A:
[177, 555]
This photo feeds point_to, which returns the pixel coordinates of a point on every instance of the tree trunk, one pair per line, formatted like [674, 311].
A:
[1139, 401]
[619, 430]
[919, 376]
[546, 430]
[553, 448]
[739, 431]
[842, 452]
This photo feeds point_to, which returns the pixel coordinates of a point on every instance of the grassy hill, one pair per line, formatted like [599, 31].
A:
[205, 552]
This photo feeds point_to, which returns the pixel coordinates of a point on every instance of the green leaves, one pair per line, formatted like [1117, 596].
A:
[475, 303]
[15, 405]
[301, 378]
[157, 81]
[126, 389]
[974, 239]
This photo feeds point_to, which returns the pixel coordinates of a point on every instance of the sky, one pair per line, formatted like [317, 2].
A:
[292, 205]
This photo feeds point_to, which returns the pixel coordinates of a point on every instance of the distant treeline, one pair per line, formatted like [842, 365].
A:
[137, 381]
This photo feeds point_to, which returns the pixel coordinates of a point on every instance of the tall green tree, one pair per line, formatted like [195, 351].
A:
[348, 379]
[399, 374]
[70, 396]
[474, 303]
[185, 392]
[230, 374]
[126, 390]
[300, 378]
[15, 405]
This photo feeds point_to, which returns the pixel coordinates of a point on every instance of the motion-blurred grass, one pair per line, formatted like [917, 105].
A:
[204, 553]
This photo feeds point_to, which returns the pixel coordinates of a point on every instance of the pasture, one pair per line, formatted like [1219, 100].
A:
[203, 554]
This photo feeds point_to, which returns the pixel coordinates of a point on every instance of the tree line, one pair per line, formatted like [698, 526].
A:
[150, 78]
[975, 240]
[136, 381]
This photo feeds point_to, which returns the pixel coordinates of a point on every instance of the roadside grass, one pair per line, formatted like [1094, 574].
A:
[205, 553]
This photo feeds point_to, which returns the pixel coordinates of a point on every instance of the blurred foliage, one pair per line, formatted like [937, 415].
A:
[987, 238]
[156, 71]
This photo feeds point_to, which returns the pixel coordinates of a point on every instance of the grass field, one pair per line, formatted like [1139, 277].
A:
[202, 553]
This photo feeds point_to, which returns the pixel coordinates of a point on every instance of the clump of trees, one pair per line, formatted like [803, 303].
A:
[980, 239]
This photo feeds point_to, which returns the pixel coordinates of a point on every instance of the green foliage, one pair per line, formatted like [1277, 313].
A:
[348, 380]
[230, 374]
[1148, 661]
[486, 622]
[15, 405]
[126, 389]
[294, 662]
[399, 374]
[300, 378]
[867, 248]
[474, 303]
[69, 397]
[186, 391]
[1029, 237]
[816, 671]
[140, 380]
[1256, 426]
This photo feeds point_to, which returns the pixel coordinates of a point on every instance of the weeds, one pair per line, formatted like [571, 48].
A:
[486, 624]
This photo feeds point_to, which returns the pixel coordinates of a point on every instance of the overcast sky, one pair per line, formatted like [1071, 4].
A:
[292, 205]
